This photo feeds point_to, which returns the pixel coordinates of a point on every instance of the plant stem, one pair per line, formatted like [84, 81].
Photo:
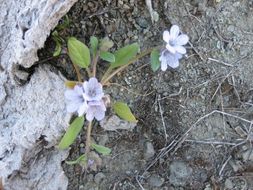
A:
[106, 73]
[87, 145]
[77, 73]
[88, 72]
[148, 51]
[95, 60]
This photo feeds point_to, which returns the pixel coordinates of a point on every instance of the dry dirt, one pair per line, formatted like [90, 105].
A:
[180, 141]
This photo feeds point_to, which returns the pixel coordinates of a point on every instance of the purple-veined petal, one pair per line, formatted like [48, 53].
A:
[182, 39]
[166, 36]
[170, 48]
[174, 31]
[180, 49]
[92, 90]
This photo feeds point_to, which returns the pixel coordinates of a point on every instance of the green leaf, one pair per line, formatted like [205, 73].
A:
[79, 53]
[101, 149]
[123, 111]
[80, 160]
[125, 54]
[94, 45]
[105, 44]
[155, 63]
[57, 49]
[107, 56]
[71, 133]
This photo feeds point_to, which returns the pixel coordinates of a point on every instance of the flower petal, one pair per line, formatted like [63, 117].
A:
[90, 113]
[174, 31]
[164, 66]
[82, 109]
[78, 89]
[182, 39]
[170, 48]
[166, 36]
[85, 86]
[99, 114]
[72, 107]
[70, 94]
[180, 49]
[174, 63]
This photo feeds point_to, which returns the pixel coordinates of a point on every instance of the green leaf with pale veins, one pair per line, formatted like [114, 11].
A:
[71, 133]
[154, 58]
[107, 56]
[79, 53]
[124, 112]
[101, 149]
[93, 45]
[125, 54]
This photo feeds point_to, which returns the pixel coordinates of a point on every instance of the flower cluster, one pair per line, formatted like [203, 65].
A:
[87, 99]
[174, 48]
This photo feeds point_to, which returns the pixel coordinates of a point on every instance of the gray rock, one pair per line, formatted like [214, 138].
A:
[179, 173]
[32, 116]
[149, 150]
[99, 177]
[114, 123]
[155, 180]
[33, 120]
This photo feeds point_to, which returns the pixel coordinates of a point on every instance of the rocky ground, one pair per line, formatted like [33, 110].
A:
[194, 129]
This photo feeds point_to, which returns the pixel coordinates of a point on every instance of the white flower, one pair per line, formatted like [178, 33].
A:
[169, 59]
[175, 41]
[87, 99]
[75, 100]
[96, 109]
[93, 90]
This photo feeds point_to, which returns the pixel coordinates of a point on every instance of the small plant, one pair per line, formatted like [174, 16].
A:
[87, 98]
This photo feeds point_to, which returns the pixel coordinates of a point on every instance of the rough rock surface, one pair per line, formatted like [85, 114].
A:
[32, 116]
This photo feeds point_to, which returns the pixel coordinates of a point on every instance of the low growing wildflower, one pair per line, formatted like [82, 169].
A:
[87, 99]
[174, 48]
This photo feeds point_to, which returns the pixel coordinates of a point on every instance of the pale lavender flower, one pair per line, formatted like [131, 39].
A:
[87, 99]
[96, 109]
[75, 100]
[175, 41]
[169, 59]
[93, 90]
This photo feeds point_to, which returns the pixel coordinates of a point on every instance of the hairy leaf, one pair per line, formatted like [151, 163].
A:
[125, 54]
[79, 53]
[155, 63]
[101, 149]
[124, 112]
[94, 45]
[107, 56]
[71, 133]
